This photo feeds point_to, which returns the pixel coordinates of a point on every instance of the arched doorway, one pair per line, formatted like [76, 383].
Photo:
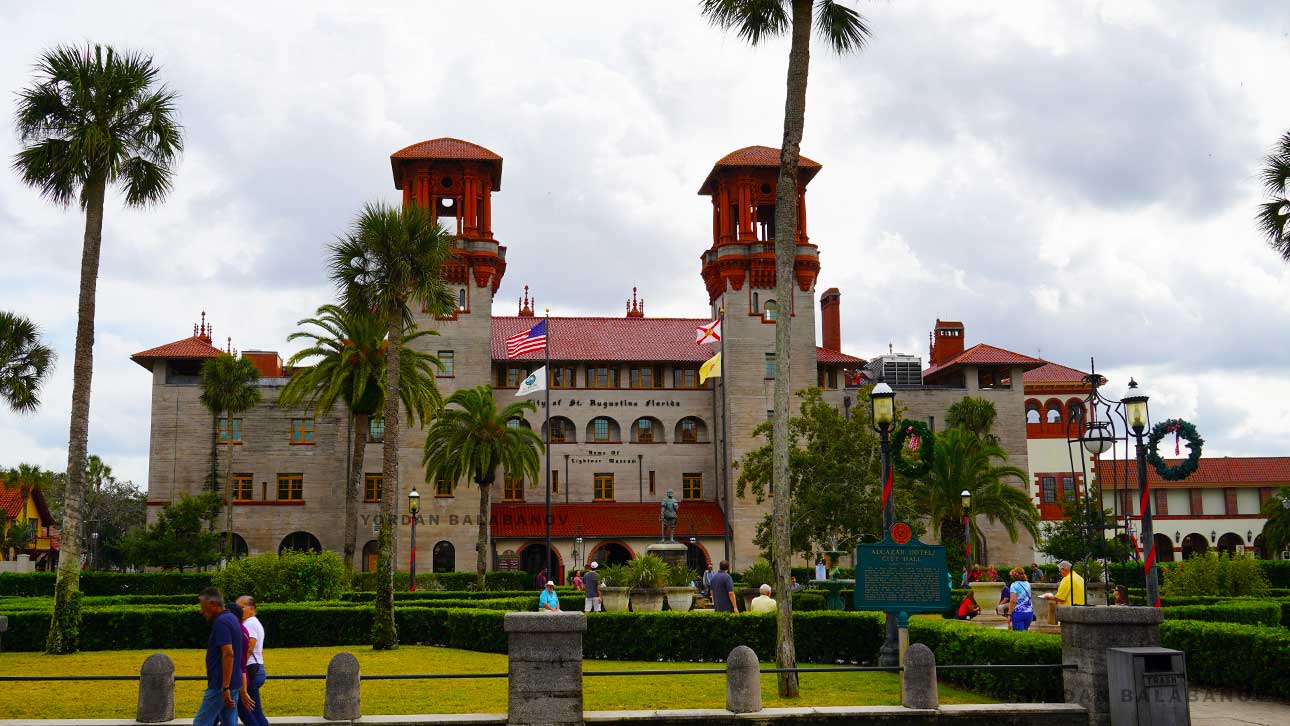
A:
[444, 557]
[1261, 548]
[300, 542]
[1194, 544]
[1231, 543]
[1164, 548]
[369, 556]
[238, 548]
[695, 558]
[533, 560]
[611, 553]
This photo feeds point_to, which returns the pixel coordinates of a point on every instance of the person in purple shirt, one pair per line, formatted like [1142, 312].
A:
[225, 653]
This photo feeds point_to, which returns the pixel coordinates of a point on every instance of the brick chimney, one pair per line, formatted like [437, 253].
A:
[946, 343]
[831, 319]
[267, 362]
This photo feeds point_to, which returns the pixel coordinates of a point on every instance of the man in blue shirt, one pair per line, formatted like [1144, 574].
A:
[549, 603]
[224, 657]
[723, 590]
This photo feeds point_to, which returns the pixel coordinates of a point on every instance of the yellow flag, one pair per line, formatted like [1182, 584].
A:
[710, 369]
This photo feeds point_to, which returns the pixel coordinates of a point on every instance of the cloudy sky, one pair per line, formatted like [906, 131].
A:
[1070, 179]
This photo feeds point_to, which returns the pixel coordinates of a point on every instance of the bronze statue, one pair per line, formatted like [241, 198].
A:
[669, 508]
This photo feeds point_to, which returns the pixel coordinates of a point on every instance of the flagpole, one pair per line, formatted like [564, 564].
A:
[725, 448]
[547, 474]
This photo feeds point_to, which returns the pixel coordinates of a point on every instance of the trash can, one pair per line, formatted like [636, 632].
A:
[1147, 686]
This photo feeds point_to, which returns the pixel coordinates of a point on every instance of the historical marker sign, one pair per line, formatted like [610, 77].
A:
[901, 574]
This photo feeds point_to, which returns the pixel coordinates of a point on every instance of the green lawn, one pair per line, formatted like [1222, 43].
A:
[117, 699]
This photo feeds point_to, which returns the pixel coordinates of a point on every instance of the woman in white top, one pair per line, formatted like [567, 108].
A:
[255, 674]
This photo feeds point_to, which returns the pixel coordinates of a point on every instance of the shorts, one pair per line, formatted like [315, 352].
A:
[593, 602]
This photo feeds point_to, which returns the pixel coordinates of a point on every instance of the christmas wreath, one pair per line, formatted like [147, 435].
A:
[915, 436]
[1181, 430]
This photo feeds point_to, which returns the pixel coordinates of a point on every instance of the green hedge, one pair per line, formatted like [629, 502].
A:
[499, 580]
[962, 643]
[108, 583]
[1227, 655]
[1130, 573]
[1249, 612]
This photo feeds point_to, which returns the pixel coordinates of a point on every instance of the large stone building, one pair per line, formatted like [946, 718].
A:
[629, 418]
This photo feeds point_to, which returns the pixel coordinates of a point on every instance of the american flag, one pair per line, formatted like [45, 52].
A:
[529, 341]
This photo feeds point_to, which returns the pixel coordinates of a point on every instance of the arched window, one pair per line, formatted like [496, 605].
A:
[369, 556]
[691, 430]
[444, 557]
[1033, 416]
[603, 429]
[770, 311]
[1075, 410]
[461, 298]
[1053, 412]
[238, 549]
[300, 542]
[647, 430]
[563, 431]
[518, 423]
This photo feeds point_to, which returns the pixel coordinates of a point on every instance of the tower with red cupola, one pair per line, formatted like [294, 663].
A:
[739, 273]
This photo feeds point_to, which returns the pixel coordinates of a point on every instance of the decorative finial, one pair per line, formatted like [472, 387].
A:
[229, 348]
[635, 308]
[527, 304]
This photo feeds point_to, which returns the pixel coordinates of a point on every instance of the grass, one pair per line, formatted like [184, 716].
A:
[118, 699]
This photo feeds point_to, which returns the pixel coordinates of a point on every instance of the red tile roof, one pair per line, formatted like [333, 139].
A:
[1051, 372]
[11, 500]
[982, 354]
[623, 339]
[447, 149]
[1265, 470]
[762, 157]
[194, 347]
[602, 519]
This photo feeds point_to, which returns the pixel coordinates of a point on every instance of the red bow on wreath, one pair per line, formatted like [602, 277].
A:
[1176, 431]
[915, 441]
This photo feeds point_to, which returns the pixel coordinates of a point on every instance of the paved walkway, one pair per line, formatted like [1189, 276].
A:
[1224, 708]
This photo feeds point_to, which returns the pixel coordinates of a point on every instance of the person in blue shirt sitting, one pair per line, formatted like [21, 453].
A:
[549, 603]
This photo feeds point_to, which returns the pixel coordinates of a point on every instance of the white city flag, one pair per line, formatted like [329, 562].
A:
[534, 383]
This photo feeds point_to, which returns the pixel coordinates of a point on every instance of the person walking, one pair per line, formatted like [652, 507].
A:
[707, 581]
[577, 580]
[251, 708]
[224, 657]
[591, 590]
[539, 582]
[723, 590]
[549, 602]
[1019, 603]
[763, 603]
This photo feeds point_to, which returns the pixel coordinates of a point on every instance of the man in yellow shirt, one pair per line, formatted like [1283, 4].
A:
[763, 603]
[1071, 589]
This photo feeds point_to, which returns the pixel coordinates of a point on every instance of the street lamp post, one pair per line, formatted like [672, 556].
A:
[965, 497]
[414, 506]
[883, 402]
[1138, 418]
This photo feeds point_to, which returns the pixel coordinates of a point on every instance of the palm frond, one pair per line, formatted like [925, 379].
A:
[25, 362]
[842, 28]
[752, 20]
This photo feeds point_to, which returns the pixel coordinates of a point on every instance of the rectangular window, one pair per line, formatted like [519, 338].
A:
[999, 377]
[243, 488]
[602, 377]
[691, 487]
[646, 377]
[443, 487]
[513, 490]
[645, 431]
[651, 481]
[603, 487]
[555, 481]
[510, 377]
[564, 377]
[223, 430]
[302, 431]
[1068, 489]
[685, 377]
[372, 488]
[1049, 486]
[375, 429]
[600, 429]
[291, 487]
[833, 378]
[772, 368]
[449, 364]
[559, 432]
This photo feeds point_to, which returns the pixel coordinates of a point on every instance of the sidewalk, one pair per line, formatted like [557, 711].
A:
[1225, 708]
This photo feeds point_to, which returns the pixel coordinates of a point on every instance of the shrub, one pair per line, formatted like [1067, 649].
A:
[1228, 655]
[1249, 612]
[614, 576]
[289, 577]
[108, 583]
[803, 601]
[1277, 572]
[681, 577]
[1216, 574]
[759, 574]
[647, 571]
[960, 643]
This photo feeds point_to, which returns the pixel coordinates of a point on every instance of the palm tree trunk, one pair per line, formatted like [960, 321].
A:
[384, 633]
[785, 255]
[64, 626]
[481, 543]
[361, 422]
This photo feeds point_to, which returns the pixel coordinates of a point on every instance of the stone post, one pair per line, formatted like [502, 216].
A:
[545, 673]
[918, 680]
[156, 690]
[743, 681]
[4, 626]
[342, 701]
[1087, 632]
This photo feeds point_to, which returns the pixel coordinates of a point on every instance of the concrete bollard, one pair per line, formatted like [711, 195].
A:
[743, 681]
[342, 702]
[156, 690]
[918, 680]
[544, 650]
[4, 626]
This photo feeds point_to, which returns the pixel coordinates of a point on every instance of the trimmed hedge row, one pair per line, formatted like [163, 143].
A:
[498, 580]
[107, 583]
[1130, 573]
[1227, 655]
[1249, 612]
[962, 643]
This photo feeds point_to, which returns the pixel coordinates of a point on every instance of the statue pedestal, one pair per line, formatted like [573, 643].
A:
[673, 553]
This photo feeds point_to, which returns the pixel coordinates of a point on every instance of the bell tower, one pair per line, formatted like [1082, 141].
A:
[739, 273]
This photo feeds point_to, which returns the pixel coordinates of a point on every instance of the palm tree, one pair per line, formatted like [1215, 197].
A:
[964, 461]
[229, 388]
[974, 414]
[25, 362]
[844, 31]
[1274, 213]
[94, 117]
[15, 535]
[349, 366]
[392, 258]
[1276, 531]
[473, 439]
